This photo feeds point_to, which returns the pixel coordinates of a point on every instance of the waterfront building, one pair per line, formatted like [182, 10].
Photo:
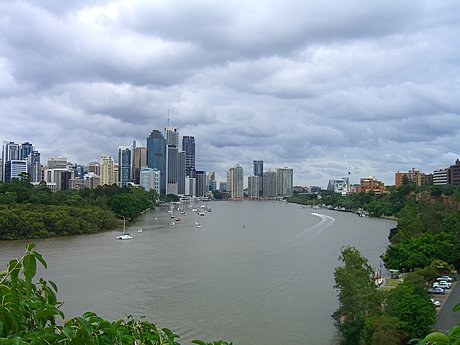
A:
[441, 176]
[413, 175]
[181, 173]
[259, 171]
[188, 146]
[139, 162]
[211, 181]
[269, 184]
[454, 177]
[156, 156]
[235, 178]
[253, 187]
[368, 184]
[14, 169]
[341, 186]
[150, 179]
[284, 181]
[172, 170]
[124, 165]
[201, 187]
[190, 186]
[223, 186]
[107, 169]
[57, 163]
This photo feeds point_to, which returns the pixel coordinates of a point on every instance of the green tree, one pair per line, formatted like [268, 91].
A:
[358, 295]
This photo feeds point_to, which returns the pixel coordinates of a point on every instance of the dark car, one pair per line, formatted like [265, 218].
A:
[436, 290]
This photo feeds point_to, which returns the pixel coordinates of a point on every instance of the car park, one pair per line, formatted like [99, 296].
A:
[436, 290]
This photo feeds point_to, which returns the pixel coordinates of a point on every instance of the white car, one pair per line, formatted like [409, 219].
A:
[435, 303]
[445, 278]
[442, 284]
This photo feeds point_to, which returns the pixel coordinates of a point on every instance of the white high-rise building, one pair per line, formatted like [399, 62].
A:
[253, 187]
[150, 179]
[235, 178]
[10, 151]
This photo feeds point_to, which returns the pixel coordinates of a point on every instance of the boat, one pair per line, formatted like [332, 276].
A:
[198, 225]
[140, 230]
[200, 213]
[172, 224]
[125, 235]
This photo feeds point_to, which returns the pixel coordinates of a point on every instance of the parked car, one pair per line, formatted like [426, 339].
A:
[445, 278]
[442, 284]
[435, 303]
[436, 290]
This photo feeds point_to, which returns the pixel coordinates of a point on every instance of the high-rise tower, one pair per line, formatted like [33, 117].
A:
[156, 156]
[188, 146]
[124, 165]
[259, 171]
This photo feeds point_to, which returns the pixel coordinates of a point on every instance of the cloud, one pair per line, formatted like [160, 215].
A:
[296, 83]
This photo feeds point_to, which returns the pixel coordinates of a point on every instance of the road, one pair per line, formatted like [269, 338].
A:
[446, 317]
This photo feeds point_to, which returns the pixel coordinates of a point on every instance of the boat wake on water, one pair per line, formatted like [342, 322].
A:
[315, 230]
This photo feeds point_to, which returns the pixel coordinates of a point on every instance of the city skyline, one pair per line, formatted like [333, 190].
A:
[320, 88]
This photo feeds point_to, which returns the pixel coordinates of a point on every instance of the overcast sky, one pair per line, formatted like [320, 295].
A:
[313, 85]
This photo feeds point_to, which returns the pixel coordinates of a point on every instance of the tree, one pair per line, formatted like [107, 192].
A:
[358, 295]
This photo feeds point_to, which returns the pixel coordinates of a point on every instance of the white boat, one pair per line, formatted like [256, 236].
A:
[140, 230]
[198, 225]
[172, 224]
[125, 235]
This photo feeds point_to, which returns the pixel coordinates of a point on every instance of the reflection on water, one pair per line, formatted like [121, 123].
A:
[254, 273]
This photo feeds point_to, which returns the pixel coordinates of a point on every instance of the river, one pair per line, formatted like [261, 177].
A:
[255, 273]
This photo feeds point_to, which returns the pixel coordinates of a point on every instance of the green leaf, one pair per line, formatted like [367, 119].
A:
[199, 342]
[39, 257]
[14, 267]
[86, 325]
[457, 307]
[30, 247]
[30, 266]
[436, 337]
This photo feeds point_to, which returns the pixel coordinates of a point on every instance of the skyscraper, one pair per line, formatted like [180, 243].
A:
[181, 172]
[253, 187]
[156, 156]
[284, 181]
[34, 166]
[10, 152]
[172, 163]
[201, 183]
[269, 184]
[188, 146]
[139, 162]
[259, 171]
[235, 178]
[26, 150]
[124, 165]
[107, 171]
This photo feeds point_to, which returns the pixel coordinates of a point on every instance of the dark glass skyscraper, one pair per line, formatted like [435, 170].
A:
[259, 171]
[156, 156]
[124, 165]
[188, 146]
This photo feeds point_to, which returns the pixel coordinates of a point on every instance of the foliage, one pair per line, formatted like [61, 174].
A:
[358, 294]
[29, 314]
[410, 304]
[439, 338]
[33, 212]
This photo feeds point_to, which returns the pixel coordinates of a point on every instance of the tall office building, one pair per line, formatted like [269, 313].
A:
[150, 179]
[172, 135]
[94, 168]
[124, 165]
[10, 152]
[269, 184]
[201, 183]
[259, 171]
[253, 187]
[14, 169]
[235, 177]
[139, 162]
[190, 186]
[34, 166]
[284, 181]
[211, 181]
[172, 163]
[26, 150]
[188, 146]
[156, 156]
[107, 171]
[181, 172]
